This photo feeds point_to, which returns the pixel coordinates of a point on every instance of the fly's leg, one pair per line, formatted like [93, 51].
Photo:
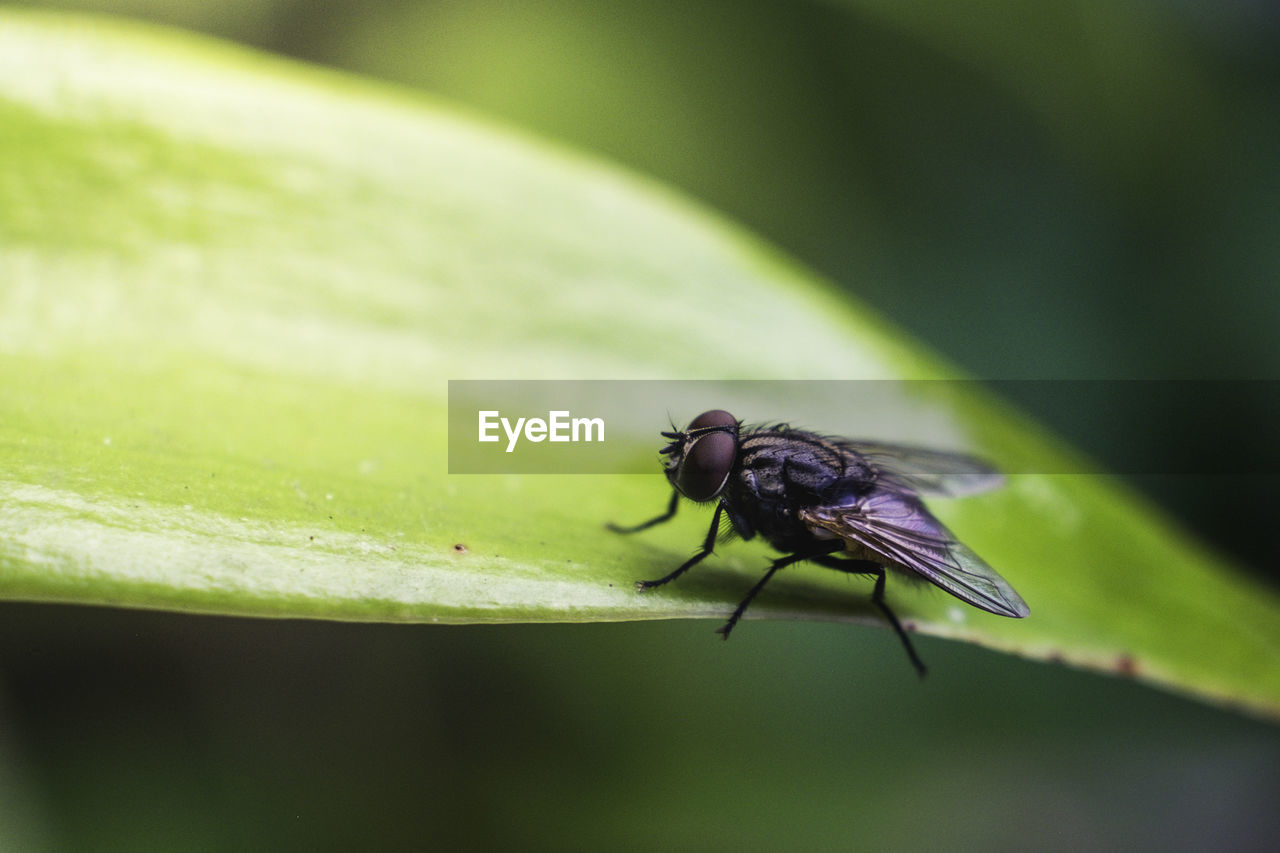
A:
[866, 567]
[877, 598]
[666, 516]
[707, 547]
[782, 562]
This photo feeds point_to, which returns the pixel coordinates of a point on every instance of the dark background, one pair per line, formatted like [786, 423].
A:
[1081, 190]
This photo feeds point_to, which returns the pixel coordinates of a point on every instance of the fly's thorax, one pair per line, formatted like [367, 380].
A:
[779, 472]
[793, 466]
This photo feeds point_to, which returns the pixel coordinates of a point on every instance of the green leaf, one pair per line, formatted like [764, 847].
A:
[232, 291]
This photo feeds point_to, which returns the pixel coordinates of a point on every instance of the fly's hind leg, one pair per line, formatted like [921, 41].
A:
[866, 567]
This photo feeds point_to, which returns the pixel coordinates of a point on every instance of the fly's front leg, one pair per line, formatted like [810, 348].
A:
[666, 516]
[822, 550]
[707, 547]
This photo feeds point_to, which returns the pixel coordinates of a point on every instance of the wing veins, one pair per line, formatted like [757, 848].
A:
[881, 523]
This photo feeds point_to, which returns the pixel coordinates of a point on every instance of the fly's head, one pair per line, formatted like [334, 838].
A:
[700, 458]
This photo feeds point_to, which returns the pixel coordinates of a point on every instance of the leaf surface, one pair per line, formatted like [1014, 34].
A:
[233, 290]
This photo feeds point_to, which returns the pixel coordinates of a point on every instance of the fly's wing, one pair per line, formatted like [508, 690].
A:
[925, 471]
[898, 528]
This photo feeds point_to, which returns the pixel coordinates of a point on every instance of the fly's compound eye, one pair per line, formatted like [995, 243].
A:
[706, 465]
[714, 418]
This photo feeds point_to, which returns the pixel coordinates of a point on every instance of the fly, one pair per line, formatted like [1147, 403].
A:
[853, 506]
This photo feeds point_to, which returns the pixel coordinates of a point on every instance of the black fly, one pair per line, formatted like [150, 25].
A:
[814, 497]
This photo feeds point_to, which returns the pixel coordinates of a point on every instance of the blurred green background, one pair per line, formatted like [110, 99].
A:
[1072, 190]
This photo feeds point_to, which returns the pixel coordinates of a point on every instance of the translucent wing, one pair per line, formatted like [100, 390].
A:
[898, 529]
[925, 471]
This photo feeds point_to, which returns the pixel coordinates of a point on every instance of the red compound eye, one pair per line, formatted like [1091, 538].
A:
[706, 465]
[713, 418]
